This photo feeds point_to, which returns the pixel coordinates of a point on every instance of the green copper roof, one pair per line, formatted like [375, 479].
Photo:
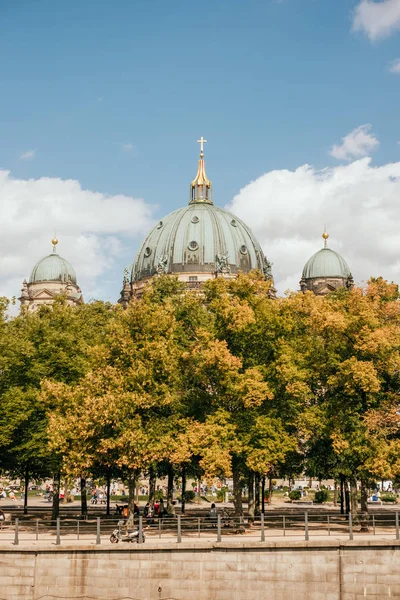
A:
[199, 238]
[326, 263]
[53, 268]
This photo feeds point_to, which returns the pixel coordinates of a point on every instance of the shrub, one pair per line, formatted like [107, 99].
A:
[295, 495]
[321, 496]
[389, 497]
[189, 496]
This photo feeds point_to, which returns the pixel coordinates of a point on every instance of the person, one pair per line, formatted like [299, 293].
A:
[12, 495]
[162, 510]
[213, 514]
[156, 508]
[2, 515]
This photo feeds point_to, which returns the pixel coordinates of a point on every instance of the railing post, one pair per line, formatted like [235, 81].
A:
[262, 528]
[373, 522]
[397, 525]
[329, 526]
[284, 525]
[306, 536]
[179, 530]
[77, 529]
[58, 537]
[218, 528]
[98, 539]
[16, 538]
[37, 529]
[199, 525]
[350, 526]
[159, 528]
[140, 529]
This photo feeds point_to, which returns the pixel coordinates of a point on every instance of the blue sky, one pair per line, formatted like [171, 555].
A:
[115, 94]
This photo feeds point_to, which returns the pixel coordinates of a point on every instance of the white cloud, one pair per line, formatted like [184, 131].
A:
[28, 155]
[377, 19]
[128, 147]
[395, 66]
[287, 211]
[88, 225]
[356, 144]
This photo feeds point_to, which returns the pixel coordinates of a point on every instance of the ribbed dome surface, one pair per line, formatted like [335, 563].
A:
[193, 238]
[326, 263]
[53, 268]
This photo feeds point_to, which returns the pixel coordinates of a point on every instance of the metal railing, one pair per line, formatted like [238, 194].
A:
[178, 528]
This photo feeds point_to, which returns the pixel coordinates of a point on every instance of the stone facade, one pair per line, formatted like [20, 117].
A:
[36, 294]
[325, 285]
[287, 570]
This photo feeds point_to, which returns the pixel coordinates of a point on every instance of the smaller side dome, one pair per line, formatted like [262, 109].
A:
[325, 271]
[53, 268]
[326, 263]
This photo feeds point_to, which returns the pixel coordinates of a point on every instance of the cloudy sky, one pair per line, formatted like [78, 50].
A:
[102, 102]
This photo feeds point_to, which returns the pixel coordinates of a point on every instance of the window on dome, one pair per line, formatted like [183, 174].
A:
[147, 251]
[243, 249]
[233, 223]
[160, 225]
[193, 245]
[195, 219]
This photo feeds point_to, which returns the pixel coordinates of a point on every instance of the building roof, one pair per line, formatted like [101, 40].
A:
[326, 263]
[53, 268]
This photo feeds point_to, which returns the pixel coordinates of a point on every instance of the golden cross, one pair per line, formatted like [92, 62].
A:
[201, 141]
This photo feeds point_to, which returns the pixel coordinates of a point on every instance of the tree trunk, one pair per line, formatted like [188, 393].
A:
[183, 490]
[353, 497]
[263, 495]
[170, 491]
[26, 477]
[335, 492]
[251, 504]
[364, 518]
[198, 491]
[257, 494]
[55, 512]
[84, 510]
[237, 489]
[270, 489]
[341, 494]
[152, 486]
[131, 498]
[346, 498]
[108, 480]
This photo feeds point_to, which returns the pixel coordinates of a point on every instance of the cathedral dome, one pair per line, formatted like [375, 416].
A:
[198, 238]
[198, 242]
[325, 271]
[326, 263]
[53, 268]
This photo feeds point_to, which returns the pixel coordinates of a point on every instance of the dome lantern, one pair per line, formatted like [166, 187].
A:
[201, 188]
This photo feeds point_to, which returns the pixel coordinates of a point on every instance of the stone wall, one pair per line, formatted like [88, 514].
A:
[204, 571]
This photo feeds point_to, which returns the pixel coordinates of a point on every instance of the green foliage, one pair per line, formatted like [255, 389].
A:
[295, 495]
[388, 497]
[189, 496]
[321, 496]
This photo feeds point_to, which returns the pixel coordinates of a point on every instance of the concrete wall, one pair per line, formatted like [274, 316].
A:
[246, 571]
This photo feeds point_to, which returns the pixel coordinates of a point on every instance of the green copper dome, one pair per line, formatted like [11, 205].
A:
[326, 263]
[53, 268]
[199, 238]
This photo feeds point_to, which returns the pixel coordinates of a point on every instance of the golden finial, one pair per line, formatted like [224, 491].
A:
[325, 235]
[54, 241]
